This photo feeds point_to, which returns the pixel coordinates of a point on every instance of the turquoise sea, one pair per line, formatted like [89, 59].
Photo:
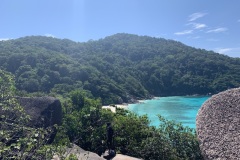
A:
[179, 108]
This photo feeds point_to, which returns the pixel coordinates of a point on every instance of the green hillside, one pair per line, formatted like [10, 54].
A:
[118, 68]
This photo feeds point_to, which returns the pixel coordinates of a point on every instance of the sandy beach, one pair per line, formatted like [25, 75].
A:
[123, 106]
[113, 107]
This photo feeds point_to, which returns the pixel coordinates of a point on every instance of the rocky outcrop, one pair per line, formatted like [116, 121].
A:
[218, 126]
[43, 111]
[124, 157]
[81, 154]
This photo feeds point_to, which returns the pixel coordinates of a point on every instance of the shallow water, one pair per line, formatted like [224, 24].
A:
[179, 108]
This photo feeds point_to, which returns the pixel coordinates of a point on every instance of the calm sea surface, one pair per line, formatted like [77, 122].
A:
[178, 108]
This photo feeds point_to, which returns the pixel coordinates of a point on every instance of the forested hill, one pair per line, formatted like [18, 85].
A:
[117, 68]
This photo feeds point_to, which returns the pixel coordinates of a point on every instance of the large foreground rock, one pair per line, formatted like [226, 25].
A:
[44, 111]
[86, 155]
[124, 157]
[218, 126]
[79, 153]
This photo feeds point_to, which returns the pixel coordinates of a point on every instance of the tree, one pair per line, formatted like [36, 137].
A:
[77, 98]
[17, 139]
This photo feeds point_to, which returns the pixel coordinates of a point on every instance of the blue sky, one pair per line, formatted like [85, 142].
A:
[207, 24]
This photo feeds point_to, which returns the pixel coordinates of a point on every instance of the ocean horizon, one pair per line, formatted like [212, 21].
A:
[182, 109]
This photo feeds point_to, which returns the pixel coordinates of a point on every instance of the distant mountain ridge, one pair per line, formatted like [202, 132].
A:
[118, 68]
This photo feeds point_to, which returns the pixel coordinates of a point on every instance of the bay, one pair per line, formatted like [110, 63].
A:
[181, 109]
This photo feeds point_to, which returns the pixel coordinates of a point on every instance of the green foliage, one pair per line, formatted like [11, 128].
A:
[72, 157]
[61, 138]
[157, 146]
[114, 70]
[182, 139]
[117, 68]
[17, 140]
[130, 131]
[85, 124]
[132, 134]
[77, 98]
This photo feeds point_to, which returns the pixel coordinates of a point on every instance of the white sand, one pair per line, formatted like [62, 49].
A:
[141, 101]
[113, 109]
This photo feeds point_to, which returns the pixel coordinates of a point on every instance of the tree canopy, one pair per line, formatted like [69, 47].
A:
[118, 68]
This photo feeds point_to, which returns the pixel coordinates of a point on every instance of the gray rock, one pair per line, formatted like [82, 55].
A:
[218, 126]
[86, 155]
[124, 157]
[44, 111]
[79, 153]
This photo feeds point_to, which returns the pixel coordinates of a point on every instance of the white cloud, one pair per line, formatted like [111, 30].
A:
[184, 32]
[196, 15]
[223, 50]
[232, 52]
[49, 35]
[217, 30]
[197, 25]
[5, 39]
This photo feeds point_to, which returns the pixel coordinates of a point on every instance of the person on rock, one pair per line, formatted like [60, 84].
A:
[110, 134]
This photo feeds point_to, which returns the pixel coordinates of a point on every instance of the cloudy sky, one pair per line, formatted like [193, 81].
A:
[207, 24]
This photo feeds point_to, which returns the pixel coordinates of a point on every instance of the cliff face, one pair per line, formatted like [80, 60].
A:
[218, 126]
[43, 111]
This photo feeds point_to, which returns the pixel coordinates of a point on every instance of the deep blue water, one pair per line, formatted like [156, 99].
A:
[179, 108]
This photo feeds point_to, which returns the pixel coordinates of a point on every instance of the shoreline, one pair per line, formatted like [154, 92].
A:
[125, 105]
[113, 107]
[142, 101]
